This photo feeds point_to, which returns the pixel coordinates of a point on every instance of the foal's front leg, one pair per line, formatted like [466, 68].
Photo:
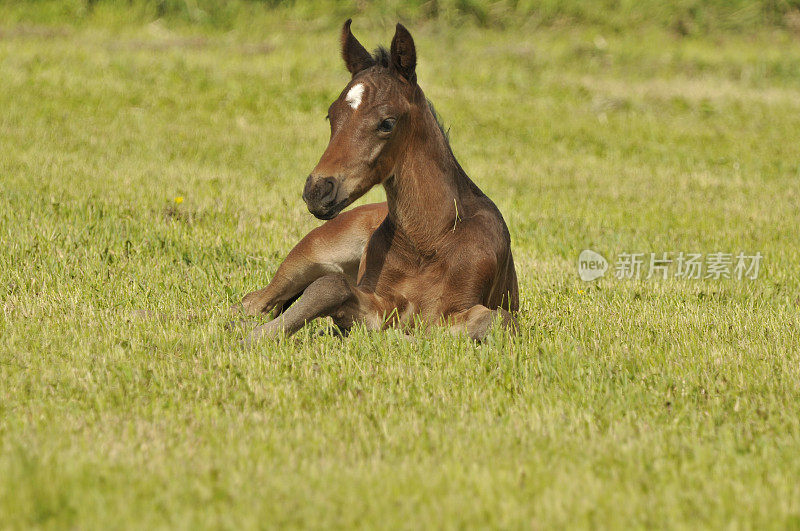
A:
[334, 247]
[331, 295]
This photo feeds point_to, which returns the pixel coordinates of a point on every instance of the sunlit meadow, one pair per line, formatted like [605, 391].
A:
[150, 176]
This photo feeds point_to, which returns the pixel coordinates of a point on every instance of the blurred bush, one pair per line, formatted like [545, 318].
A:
[683, 16]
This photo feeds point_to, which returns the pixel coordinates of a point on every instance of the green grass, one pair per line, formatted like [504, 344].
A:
[125, 402]
[684, 17]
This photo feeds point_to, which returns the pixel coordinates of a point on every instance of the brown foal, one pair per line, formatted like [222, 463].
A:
[438, 251]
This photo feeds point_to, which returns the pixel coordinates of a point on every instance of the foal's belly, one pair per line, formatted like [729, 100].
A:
[410, 295]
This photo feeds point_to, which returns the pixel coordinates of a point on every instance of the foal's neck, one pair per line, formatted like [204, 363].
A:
[429, 192]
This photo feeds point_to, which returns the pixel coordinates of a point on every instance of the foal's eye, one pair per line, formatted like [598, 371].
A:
[387, 125]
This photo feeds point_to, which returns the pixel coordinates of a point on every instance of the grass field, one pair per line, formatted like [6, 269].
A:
[150, 176]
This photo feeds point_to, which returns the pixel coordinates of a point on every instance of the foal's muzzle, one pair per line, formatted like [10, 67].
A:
[320, 195]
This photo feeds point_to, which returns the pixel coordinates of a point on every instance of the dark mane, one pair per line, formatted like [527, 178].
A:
[381, 58]
[445, 132]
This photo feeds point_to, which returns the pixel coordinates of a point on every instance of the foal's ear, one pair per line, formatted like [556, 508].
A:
[356, 58]
[404, 54]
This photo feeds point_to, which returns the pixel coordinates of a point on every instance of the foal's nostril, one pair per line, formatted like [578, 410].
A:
[328, 190]
[320, 192]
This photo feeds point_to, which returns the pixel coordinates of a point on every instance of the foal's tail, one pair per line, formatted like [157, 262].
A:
[505, 291]
[511, 294]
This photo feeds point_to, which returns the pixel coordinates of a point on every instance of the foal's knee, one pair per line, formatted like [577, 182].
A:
[334, 295]
[324, 296]
[329, 291]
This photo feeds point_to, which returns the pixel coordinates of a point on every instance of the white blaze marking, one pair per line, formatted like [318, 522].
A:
[353, 97]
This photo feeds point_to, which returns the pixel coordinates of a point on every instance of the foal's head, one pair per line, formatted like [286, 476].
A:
[372, 122]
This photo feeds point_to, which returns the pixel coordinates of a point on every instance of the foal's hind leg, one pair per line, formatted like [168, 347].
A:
[477, 320]
[331, 295]
[334, 247]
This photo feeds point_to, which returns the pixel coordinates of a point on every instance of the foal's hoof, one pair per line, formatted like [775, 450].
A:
[256, 304]
[236, 311]
[333, 331]
[270, 330]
